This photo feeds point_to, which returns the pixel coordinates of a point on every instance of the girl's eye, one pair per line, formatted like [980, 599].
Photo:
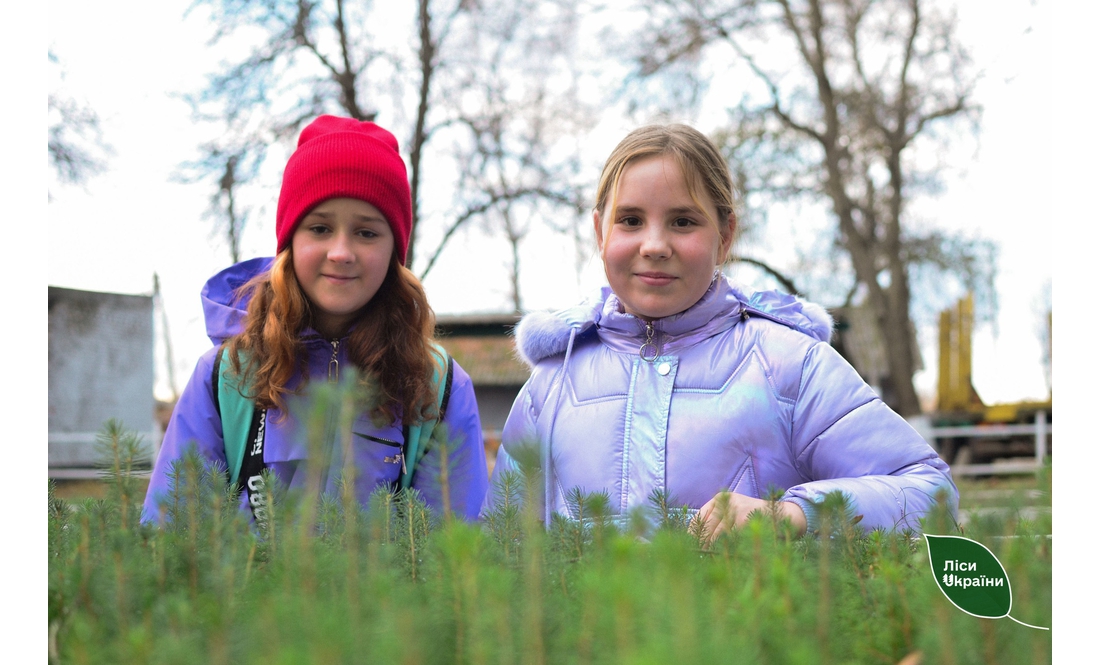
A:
[318, 229]
[683, 222]
[367, 233]
[630, 221]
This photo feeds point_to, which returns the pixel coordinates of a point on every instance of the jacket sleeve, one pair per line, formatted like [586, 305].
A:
[195, 422]
[845, 438]
[466, 475]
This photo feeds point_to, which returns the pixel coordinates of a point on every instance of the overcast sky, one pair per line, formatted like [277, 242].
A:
[129, 59]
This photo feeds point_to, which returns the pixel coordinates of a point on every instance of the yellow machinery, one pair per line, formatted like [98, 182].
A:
[968, 430]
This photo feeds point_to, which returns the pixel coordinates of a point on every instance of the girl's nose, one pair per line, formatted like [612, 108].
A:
[655, 243]
[340, 249]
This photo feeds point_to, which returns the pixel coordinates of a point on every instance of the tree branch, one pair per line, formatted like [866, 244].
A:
[784, 280]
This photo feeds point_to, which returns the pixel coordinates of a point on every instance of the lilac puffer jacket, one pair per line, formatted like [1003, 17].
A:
[195, 420]
[739, 393]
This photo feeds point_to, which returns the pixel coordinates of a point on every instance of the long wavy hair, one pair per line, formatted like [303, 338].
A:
[390, 342]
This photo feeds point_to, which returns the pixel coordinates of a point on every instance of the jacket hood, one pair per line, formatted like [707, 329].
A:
[541, 335]
[223, 306]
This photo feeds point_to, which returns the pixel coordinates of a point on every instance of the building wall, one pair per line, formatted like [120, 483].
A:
[100, 367]
[493, 405]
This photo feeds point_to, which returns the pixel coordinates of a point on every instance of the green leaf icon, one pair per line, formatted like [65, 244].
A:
[971, 577]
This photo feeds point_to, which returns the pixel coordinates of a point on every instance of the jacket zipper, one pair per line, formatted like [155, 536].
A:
[334, 363]
[649, 349]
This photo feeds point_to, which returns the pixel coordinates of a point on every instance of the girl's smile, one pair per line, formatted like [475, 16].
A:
[662, 245]
[341, 251]
[655, 278]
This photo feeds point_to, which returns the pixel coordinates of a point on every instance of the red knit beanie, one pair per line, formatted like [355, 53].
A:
[342, 157]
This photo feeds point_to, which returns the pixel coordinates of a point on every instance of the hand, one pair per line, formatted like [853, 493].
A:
[730, 509]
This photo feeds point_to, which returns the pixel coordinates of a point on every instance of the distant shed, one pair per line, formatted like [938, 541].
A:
[100, 367]
[483, 345]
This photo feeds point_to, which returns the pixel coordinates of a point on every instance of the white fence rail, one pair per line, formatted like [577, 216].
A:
[1041, 429]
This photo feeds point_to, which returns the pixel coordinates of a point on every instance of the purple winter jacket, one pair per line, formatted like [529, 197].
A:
[744, 395]
[196, 420]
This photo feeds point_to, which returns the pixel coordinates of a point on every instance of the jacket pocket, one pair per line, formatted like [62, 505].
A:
[378, 456]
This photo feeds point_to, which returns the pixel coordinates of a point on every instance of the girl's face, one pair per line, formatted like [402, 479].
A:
[341, 252]
[662, 249]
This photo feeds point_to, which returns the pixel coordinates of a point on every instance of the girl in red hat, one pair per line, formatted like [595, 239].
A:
[335, 301]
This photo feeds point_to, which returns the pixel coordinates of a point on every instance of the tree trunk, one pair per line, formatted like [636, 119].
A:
[427, 67]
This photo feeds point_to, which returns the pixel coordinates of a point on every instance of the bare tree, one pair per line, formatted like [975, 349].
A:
[76, 147]
[338, 56]
[303, 61]
[237, 165]
[516, 113]
[854, 96]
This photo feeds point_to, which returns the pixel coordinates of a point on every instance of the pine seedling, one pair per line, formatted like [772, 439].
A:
[569, 532]
[330, 518]
[58, 512]
[702, 533]
[119, 451]
[598, 511]
[698, 530]
[640, 524]
[587, 522]
[670, 516]
[414, 523]
[503, 521]
[834, 515]
[382, 515]
[941, 518]
[835, 519]
[445, 461]
[784, 528]
[350, 509]
[527, 457]
[60, 547]
[440, 443]
[192, 485]
[321, 418]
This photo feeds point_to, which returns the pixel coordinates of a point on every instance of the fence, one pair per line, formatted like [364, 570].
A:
[1041, 429]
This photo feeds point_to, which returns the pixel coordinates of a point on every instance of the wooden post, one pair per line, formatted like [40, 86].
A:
[1040, 437]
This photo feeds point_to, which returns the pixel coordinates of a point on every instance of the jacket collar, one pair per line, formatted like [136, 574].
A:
[541, 335]
[714, 313]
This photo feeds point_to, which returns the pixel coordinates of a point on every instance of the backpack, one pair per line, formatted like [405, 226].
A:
[243, 428]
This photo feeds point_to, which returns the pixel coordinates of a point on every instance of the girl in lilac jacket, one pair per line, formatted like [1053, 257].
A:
[673, 380]
[336, 297]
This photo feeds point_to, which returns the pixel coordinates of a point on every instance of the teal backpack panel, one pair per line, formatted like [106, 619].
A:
[419, 434]
[237, 413]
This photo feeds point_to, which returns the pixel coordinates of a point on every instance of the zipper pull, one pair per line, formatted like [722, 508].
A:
[333, 363]
[649, 345]
[394, 459]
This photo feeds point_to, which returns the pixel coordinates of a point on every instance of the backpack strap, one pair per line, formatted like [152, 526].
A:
[418, 435]
[243, 428]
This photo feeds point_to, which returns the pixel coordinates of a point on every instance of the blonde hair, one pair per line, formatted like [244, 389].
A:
[703, 167]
